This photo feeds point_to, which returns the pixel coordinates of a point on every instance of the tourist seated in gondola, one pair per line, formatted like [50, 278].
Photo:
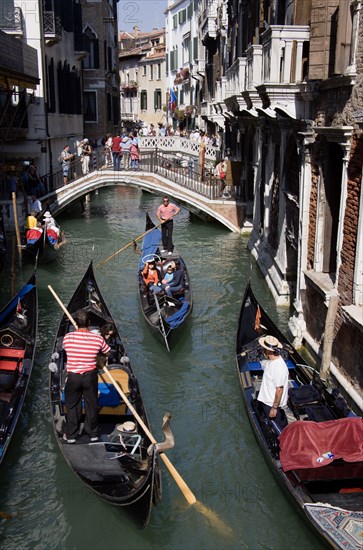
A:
[34, 234]
[273, 393]
[150, 276]
[168, 275]
[108, 332]
[177, 284]
[31, 220]
[51, 228]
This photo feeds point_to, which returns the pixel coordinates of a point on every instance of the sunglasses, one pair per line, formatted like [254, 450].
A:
[166, 201]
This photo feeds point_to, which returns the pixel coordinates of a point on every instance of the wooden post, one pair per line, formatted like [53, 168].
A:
[329, 334]
[16, 222]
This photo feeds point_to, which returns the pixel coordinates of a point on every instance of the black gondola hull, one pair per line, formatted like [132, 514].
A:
[128, 479]
[18, 334]
[253, 323]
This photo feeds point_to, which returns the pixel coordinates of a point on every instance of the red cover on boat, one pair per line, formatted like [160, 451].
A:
[302, 443]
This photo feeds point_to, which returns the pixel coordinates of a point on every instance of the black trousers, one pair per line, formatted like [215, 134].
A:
[167, 235]
[79, 385]
[280, 417]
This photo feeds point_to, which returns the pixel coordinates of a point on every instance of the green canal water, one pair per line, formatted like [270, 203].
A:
[215, 450]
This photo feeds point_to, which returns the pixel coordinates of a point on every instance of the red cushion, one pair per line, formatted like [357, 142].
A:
[8, 365]
[12, 352]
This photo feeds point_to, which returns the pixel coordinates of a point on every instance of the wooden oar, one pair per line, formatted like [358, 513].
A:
[134, 241]
[130, 243]
[175, 475]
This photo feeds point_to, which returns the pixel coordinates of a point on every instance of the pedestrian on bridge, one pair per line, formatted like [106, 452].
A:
[166, 211]
[66, 158]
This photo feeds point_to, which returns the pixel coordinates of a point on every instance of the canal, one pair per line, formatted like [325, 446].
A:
[215, 451]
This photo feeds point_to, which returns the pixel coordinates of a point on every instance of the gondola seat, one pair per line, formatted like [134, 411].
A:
[302, 398]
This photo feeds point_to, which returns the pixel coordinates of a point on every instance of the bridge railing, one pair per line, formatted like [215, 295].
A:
[177, 144]
[185, 172]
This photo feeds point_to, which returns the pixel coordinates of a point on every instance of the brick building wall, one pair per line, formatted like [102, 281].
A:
[339, 104]
[313, 208]
[351, 214]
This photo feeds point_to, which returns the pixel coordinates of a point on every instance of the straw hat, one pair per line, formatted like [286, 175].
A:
[270, 343]
[47, 214]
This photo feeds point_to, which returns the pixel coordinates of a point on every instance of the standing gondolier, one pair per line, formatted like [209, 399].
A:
[166, 211]
[82, 348]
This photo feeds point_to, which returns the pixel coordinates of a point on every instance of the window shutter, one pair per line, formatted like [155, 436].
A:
[195, 47]
[344, 36]
[155, 100]
[167, 62]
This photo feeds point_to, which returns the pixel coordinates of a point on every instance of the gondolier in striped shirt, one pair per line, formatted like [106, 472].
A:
[82, 348]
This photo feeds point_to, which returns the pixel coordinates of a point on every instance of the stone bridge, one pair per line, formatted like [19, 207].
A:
[199, 191]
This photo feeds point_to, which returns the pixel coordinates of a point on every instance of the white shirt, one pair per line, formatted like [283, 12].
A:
[275, 375]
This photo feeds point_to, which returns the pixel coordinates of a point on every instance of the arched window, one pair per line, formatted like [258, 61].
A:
[92, 61]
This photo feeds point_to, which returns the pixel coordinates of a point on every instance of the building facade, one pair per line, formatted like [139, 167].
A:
[101, 81]
[284, 79]
[185, 67]
[78, 92]
[142, 77]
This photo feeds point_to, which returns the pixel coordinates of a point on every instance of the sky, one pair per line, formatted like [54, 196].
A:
[146, 14]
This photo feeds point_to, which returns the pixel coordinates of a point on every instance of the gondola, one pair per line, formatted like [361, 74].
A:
[18, 333]
[3, 243]
[122, 467]
[165, 315]
[307, 456]
[46, 249]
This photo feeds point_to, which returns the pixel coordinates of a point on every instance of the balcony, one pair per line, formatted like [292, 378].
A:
[52, 27]
[11, 20]
[208, 21]
[283, 54]
[236, 77]
[200, 69]
[284, 69]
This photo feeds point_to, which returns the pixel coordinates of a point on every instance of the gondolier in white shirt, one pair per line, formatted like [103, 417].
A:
[273, 392]
[82, 347]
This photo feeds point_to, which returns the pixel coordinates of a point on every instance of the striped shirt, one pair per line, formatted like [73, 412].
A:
[82, 348]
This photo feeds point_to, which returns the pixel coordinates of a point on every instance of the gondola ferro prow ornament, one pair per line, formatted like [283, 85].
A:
[169, 436]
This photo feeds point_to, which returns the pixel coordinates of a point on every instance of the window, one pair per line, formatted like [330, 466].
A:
[182, 16]
[175, 21]
[143, 100]
[90, 106]
[186, 50]
[92, 60]
[157, 100]
[181, 96]
[144, 70]
[158, 71]
[151, 72]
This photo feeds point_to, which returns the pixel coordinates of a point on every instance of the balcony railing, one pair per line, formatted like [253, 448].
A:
[208, 20]
[283, 54]
[52, 26]
[11, 19]
[177, 144]
[236, 77]
[254, 66]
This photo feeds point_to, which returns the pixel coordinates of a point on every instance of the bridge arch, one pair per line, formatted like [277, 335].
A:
[229, 213]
